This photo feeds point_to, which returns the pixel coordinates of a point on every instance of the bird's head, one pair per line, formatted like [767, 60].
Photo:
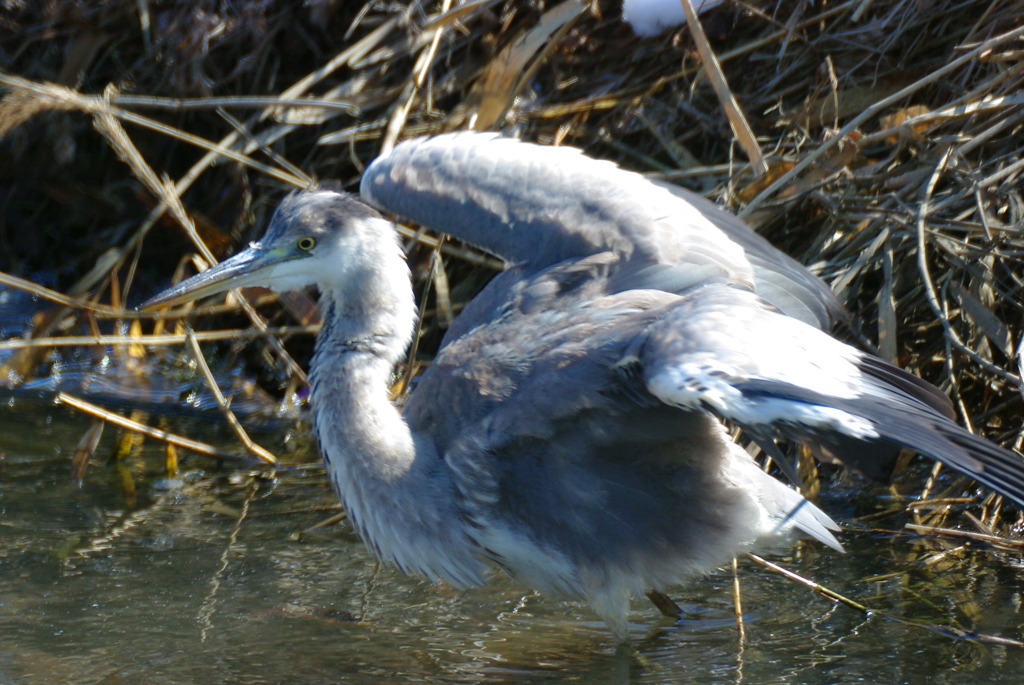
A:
[319, 237]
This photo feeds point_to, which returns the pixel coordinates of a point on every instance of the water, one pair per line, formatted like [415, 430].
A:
[216, 577]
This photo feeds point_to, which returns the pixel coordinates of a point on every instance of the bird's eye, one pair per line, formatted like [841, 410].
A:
[306, 244]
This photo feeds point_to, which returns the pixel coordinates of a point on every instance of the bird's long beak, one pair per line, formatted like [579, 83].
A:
[245, 269]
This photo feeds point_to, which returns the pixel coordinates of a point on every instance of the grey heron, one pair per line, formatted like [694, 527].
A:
[569, 430]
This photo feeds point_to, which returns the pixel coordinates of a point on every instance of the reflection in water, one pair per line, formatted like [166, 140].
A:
[216, 578]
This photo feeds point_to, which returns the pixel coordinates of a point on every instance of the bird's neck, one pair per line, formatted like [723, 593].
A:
[394, 487]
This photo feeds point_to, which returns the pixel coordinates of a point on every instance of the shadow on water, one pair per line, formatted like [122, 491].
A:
[216, 577]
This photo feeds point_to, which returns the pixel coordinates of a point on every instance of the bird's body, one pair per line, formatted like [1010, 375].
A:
[543, 454]
[568, 428]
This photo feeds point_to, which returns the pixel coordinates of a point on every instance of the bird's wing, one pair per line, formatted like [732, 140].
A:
[778, 278]
[721, 350]
[537, 205]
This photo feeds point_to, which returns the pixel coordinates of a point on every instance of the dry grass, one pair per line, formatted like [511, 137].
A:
[885, 150]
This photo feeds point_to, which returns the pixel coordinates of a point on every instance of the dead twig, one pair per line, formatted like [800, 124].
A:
[222, 402]
[164, 436]
[946, 631]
